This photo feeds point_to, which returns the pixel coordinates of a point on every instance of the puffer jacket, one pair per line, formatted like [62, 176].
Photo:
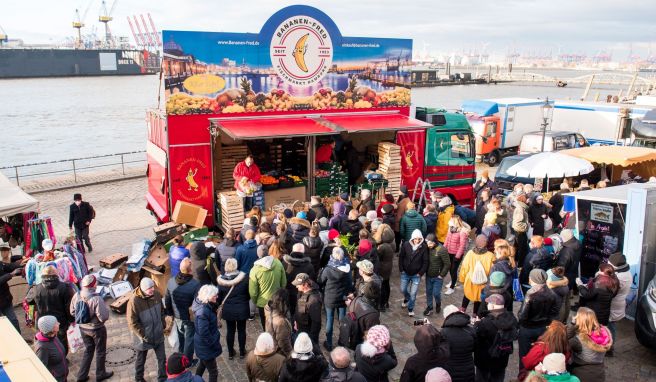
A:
[177, 253]
[374, 367]
[439, 262]
[432, 352]
[146, 319]
[308, 313]
[411, 221]
[413, 262]
[280, 329]
[52, 354]
[618, 305]
[235, 307]
[443, 217]
[53, 298]
[461, 338]
[264, 367]
[352, 227]
[336, 284]
[224, 251]
[207, 338]
[181, 291]
[598, 297]
[431, 222]
[300, 229]
[486, 330]
[540, 307]
[537, 258]
[456, 242]
[313, 247]
[386, 249]
[266, 277]
[560, 288]
[306, 370]
[520, 217]
[588, 353]
[296, 263]
[569, 258]
[247, 255]
[401, 208]
[203, 271]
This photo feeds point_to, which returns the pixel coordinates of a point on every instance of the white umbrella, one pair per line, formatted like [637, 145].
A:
[550, 165]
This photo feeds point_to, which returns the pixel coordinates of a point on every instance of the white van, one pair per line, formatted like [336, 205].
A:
[553, 141]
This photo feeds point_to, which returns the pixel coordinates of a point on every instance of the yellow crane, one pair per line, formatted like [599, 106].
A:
[78, 24]
[105, 17]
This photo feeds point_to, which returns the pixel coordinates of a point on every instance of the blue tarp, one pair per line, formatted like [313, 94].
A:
[480, 108]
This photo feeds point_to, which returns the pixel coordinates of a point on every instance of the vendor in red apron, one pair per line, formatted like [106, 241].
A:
[325, 153]
[246, 175]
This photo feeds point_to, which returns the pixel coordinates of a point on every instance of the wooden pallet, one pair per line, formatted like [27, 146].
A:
[232, 210]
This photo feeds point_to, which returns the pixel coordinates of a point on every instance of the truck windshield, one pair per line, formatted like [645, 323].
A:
[477, 125]
[506, 164]
[460, 146]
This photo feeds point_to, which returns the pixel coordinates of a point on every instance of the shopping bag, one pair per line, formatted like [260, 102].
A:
[518, 294]
[173, 339]
[74, 336]
[548, 224]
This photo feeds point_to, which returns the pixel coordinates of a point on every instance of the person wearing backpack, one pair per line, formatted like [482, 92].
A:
[80, 216]
[91, 313]
[474, 273]
[362, 315]
[495, 333]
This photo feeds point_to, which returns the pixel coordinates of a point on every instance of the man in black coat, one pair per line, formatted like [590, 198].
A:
[308, 307]
[569, 257]
[80, 216]
[413, 264]
[10, 266]
[180, 293]
[432, 352]
[317, 210]
[497, 319]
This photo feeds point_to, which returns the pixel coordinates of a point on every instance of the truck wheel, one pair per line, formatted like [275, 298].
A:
[493, 158]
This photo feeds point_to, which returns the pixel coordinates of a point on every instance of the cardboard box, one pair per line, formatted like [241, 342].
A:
[157, 259]
[284, 195]
[189, 214]
[167, 231]
[113, 261]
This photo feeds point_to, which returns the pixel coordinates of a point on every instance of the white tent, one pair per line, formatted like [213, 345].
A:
[13, 200]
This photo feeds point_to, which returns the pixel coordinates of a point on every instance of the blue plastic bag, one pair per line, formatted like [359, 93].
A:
[518, 294]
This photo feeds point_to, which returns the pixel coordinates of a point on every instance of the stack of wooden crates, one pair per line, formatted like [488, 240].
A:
[232, 210]
[230, 156]
[389, 165]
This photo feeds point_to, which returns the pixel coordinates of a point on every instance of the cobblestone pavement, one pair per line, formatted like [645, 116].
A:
[122, 219]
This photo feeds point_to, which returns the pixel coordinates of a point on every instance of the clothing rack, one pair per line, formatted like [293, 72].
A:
[36, 230]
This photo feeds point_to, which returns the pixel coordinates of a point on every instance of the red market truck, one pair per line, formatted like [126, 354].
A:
[299, 84]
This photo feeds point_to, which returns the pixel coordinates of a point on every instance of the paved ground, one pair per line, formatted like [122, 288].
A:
[122, 219]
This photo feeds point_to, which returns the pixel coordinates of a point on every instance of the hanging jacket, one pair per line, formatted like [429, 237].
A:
[266, 277]
[432, 352]
[235, 307]
[456, 242]
[313, 247]
[146, 319]
[461, 337]
[52, 298]
[411, 221]
[442, 227]
[386, 249]
[207, 339]
[246, 255]
[52, 354]
[177, 253]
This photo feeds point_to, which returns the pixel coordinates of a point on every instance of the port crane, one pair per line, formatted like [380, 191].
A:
[105, 17]
[78, 24]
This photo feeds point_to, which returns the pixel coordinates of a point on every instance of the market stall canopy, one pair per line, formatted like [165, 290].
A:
[480, 108]
[623, 156]
[13, 200]
[373, 122]
[264, 128]
[550, 165]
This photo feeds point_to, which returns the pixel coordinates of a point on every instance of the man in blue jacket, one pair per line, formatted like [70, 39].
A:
[180, 293]
[246, 254]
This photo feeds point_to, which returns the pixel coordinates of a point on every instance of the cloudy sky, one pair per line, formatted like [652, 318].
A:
[526, 26]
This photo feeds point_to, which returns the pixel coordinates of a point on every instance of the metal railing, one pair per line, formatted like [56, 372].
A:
[75, 165]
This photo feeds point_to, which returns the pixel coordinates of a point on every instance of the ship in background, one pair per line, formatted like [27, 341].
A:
[86, 55]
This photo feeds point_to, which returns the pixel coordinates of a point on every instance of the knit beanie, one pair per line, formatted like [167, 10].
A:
[364, 246]
[288, 213]
[88, 281]
[177, 364]
[538, 276]
[146, 283]
[438, 375]
[371, 215]
[497, 279]
[378, 336]
[387, 208]
[302, 215]
[46, 324]
[332, 234]
[264, 345]
[449, 310]
[303, 344]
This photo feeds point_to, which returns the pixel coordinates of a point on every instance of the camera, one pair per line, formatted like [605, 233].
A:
[421, 322]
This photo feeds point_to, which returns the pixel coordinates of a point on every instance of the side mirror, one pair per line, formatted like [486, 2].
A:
[484, 139]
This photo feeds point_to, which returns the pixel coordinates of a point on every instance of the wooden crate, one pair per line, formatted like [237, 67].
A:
[232, 210]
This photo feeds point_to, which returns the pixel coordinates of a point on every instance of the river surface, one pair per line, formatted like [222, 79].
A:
[62, 118]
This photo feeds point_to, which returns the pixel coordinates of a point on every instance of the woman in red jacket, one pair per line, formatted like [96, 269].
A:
[244, 174]
[554, 340]
[456, 243]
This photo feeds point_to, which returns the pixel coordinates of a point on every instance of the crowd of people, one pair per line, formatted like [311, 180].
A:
[289, 270]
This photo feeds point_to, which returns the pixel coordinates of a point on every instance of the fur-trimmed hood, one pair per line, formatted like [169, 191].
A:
[229, 280]
[296, 261]
[301, 222]
[600, 342]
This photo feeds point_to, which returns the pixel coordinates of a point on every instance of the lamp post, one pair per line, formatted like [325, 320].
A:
[547, 110]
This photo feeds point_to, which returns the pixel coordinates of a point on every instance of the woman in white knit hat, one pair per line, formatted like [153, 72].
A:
[49, 348]
[264, 362]
[307, 364]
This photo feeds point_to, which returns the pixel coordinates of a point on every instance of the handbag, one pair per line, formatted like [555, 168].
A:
[219, 312]
[74, 336]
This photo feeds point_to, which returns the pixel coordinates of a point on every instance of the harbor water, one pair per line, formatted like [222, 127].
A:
[61, 118]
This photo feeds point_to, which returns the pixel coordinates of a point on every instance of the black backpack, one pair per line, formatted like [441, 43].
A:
[502, 344]
[350, 330]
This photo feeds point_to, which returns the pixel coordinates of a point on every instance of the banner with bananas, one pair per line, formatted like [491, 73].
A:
[298, 63]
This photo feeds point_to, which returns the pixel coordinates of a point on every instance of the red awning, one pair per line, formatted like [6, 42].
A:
[375, 122]
[262, 128]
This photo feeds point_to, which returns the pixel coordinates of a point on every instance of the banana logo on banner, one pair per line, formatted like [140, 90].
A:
[301, 51]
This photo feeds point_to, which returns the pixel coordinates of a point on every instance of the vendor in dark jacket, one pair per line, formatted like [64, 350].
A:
[439, 264]
[53, 298]
[539, 309]
[180, 294]
[294, 264]
[461, 337]
[313, 246]
[413, 264]
[10, 266]
[306, 363]
[496, 320]
[432, 352]
[308, 307]
[233, 294]
[375, 357]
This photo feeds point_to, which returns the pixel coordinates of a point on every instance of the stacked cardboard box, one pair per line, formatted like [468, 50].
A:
[230, 156]
[389, 165]
[232, 210]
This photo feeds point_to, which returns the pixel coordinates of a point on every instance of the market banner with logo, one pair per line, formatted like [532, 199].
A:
[298, 62]
[412, 156]
[191, 176]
